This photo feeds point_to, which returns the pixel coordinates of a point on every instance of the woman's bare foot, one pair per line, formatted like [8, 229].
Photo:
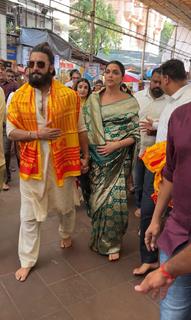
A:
[137, 213]
[145, 268]
[22, 273]
[66, 243]
[114, 256]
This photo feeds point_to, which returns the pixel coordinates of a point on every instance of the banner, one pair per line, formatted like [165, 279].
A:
[92, 71]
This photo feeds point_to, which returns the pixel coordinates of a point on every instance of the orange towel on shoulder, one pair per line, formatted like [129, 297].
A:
[63, 112]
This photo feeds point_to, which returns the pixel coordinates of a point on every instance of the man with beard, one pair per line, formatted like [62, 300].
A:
[152, 102]
[44, 116]
[8, 87]
[5, 83]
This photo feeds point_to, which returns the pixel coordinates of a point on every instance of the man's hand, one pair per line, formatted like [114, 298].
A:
[84, 165]
[108, 148]
[146, 125]
[47, 133]
[153, 282]
[152, 133]
[151, 236]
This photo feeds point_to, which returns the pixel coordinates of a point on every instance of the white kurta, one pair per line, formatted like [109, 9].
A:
[40, 197]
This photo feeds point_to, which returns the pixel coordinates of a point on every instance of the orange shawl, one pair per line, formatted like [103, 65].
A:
[154, 159]
[63, 111]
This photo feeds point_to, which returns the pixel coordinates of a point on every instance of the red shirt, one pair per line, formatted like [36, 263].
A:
[177, 228]
[9, 87]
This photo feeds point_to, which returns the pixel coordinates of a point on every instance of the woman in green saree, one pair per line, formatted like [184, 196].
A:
[113, 131]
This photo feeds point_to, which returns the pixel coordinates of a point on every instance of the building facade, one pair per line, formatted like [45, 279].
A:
[131, 15]
[3, 35]
[43, 14]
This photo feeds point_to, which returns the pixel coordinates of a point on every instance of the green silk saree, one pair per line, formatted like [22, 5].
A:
[107, 205]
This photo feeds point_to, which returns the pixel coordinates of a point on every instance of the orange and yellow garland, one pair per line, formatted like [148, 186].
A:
[154, 159]
[63, 112]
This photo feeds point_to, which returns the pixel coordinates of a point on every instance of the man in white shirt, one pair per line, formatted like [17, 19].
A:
[174, 82]
[152, 102]
[175, 85]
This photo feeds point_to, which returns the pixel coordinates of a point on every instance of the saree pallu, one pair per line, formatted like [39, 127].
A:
[107, 205]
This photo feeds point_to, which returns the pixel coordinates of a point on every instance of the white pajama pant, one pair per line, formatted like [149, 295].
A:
[29, 236]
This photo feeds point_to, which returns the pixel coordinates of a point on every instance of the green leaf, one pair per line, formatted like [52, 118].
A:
[105, 39]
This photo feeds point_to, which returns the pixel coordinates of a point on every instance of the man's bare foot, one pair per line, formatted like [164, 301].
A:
[114, 256]
[22, 273]
[145, 268]
[5, 187]
[131, 189]
[66, 243]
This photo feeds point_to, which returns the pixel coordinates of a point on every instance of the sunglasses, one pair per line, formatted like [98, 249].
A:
[40, 64]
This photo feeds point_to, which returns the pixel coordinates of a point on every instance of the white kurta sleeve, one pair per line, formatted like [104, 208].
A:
[9, 100]
[9, 127]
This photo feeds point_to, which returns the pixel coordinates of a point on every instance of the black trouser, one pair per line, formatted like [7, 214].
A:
[143, 189]
[85, 186]
[139, 176]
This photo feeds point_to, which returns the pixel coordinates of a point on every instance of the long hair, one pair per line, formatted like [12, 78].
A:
[44, 48]
[86, 81]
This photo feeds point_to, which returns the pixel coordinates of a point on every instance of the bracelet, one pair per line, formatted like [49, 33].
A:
[37, 135]
[165, 273]
[29, 134]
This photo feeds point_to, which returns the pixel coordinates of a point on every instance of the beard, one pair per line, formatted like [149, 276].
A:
[157, 92]
[38, 80]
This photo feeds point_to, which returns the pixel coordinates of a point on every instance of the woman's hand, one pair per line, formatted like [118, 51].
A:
[84, 165]
[108, 148]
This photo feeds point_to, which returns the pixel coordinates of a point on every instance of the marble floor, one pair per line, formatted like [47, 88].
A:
[73, 283]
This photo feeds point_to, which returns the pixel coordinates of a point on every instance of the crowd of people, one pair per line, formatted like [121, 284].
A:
[70, 135]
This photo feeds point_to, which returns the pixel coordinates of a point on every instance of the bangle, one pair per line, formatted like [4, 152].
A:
[29, 134]
[37, 135]
[165, 273]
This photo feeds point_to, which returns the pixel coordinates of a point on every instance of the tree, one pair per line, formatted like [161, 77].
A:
[105, 39]
[166, 32]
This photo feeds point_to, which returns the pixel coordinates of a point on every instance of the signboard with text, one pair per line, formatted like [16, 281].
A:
[11, 53]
